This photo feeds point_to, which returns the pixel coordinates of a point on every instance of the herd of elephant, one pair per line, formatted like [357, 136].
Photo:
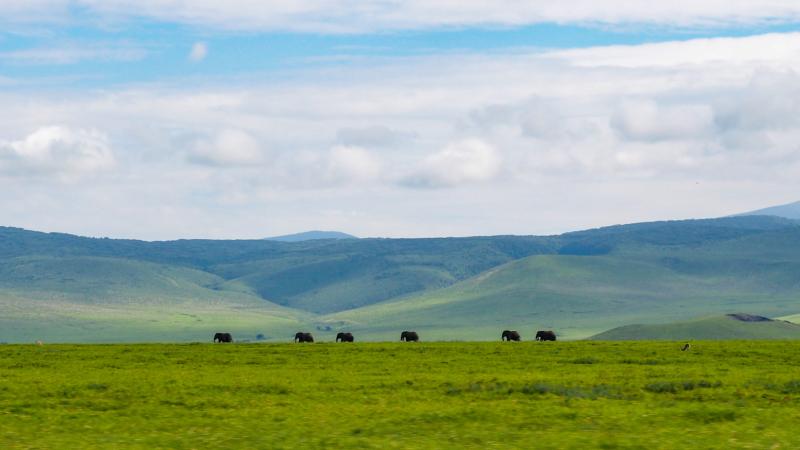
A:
[405, 336]
[541, 335]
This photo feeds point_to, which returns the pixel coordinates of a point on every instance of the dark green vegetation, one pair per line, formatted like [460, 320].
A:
[722, 327]
[59, 287]
[428, 395]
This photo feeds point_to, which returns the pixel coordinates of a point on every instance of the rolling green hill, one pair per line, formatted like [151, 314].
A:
[637, 279]
[319, 276]
[729, 327]
[70, 288]
[99, 299]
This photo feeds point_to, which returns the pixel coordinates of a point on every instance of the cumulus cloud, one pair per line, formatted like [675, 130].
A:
[229, 147]
[372, 136]
[57, 150]
[198, 52]
[462, 162]
[720, 130]
[771, 100]
[352, 164]
[544, 118]
[647, 120]
[340, 166]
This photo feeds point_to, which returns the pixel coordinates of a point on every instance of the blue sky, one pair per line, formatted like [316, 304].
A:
[141, 50]
[163, 119]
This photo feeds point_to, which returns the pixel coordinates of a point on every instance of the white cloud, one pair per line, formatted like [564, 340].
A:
[352, 164]
[372, 136]
[377, 15]
[74, 53]
[523, 142]
[781, 48]
[771, 100]
[57, 150]
[230, 147]
[648, 121]
[198, 52]
[462, 162]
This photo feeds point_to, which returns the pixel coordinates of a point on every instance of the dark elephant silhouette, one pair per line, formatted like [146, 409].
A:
[409, 336]
[510, 335]
[545, 335]
[344, 337]
[303, 337]
[223, 337]
[686, 347]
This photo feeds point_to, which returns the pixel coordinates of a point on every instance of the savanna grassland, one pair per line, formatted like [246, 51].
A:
[649, 395]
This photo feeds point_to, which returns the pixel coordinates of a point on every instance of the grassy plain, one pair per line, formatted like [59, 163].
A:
[644, 395]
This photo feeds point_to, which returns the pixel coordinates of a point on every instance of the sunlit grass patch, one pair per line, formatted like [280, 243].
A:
[426, 395]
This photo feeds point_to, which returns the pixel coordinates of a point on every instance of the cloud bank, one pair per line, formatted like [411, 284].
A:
[347, 16]
[524, 142]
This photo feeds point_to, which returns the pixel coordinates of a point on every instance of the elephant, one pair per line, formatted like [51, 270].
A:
[686, 347]
[510, 336]
[223, 337]
[344, 337]
[303, 337]
[545, 336]
[409, 336]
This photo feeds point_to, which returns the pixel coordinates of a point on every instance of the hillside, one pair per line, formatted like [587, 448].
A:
[64, 287]
[789, 211]
[98, 299]
[632, 281]
[730, 326]
[319, 276]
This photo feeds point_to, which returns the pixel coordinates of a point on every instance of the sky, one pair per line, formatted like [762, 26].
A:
[168, 119]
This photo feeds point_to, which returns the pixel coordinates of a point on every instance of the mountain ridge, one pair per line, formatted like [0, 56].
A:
[580, 283]
[788, 210]
[311, 236]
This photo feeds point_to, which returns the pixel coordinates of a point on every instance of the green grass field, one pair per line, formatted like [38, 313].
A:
[644, 395]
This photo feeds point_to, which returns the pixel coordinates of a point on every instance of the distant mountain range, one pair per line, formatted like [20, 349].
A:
[60, 287]
[789, 211]
[311, 236]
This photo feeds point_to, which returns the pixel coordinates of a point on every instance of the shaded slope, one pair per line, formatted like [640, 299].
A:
[376, 270]
[721, 327]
